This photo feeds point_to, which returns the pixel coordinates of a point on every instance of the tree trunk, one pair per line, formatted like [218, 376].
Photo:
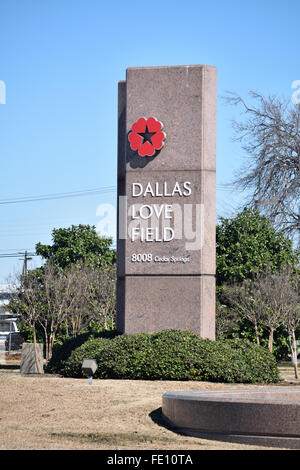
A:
[256, 333]
[293, 349]
[35, 353]
[51, 342]
[271, 336]
[46, 344]
[294, 354]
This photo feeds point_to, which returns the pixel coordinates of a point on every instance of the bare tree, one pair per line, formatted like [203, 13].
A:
[61, 299]
[289, 291]
[80, 315]
[49, 297]
[245, 300]
[226, 320]
[268, 302]
[27, 302]
[270, 299]
[279, 301]
[44, 299]
[270, 135]
[100, 293]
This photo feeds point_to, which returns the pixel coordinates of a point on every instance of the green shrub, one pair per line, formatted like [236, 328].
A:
[61, 353]
[173, 355]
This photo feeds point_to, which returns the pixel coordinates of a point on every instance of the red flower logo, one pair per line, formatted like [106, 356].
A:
[146, 136]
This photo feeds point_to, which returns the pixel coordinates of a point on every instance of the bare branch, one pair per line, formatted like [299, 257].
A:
[270, 136]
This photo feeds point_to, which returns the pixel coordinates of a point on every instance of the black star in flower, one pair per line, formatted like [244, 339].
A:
[146, 135]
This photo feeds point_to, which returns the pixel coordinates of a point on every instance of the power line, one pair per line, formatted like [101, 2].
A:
[88, 192]
[17, 254]
[47, 197]
[19, 250]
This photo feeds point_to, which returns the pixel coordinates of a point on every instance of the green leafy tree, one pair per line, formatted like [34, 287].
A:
[248, 245]
[78, 243]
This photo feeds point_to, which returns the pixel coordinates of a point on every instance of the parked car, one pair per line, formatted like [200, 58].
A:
[13, 341]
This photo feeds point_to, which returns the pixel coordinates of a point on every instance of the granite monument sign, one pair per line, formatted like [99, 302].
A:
[166, 200]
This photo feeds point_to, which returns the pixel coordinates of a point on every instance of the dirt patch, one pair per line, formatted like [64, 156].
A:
[115, 439]
[50, 412]
[12, 358]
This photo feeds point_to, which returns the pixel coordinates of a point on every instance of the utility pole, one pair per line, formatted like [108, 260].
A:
[26, 259]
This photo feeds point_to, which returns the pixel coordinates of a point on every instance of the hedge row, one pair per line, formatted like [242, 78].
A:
[169, 355]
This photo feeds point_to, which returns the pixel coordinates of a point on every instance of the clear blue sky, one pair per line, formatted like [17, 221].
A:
[61, 61]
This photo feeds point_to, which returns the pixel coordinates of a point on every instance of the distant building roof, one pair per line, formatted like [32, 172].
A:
[5, 293]
[7, 288]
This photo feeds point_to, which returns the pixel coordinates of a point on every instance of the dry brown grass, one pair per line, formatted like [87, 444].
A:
[50, 412]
